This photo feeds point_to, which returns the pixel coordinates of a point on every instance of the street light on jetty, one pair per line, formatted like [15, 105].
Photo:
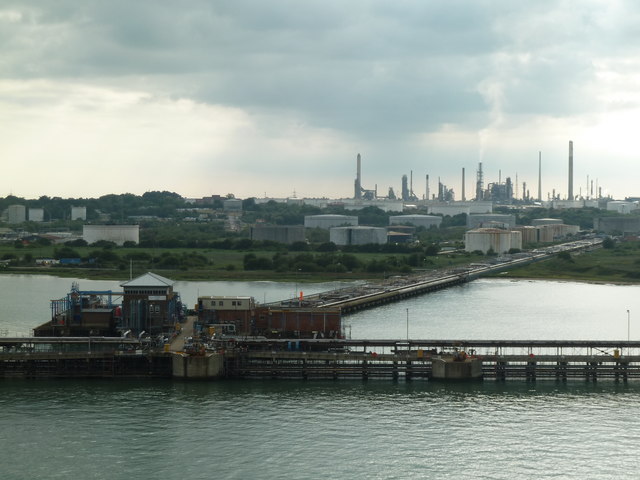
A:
[628, 325]
[407, 324]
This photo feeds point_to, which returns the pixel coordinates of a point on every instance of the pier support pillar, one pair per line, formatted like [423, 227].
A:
[448, 368]
[198, 367]
[531, 370]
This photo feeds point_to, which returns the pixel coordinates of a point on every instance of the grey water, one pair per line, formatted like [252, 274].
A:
[346, 429]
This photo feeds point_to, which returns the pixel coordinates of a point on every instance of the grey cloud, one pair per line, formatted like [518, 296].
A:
[363, 67]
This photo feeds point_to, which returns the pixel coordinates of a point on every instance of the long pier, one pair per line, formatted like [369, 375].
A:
[418, 359]
[370, 295]
[80, 357]
[461, 360]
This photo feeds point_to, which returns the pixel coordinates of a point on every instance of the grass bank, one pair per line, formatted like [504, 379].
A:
[212, 264]
[607, 265]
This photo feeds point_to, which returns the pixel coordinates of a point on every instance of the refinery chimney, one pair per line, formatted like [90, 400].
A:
[463, 197]
[358, 183]
[427, 187]
[570, 196]
[479, 183]
[540, 176]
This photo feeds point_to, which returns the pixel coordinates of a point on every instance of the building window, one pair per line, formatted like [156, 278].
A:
[220, 303]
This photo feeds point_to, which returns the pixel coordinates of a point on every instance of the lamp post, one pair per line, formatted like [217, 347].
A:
[407, 325]
[628, 325]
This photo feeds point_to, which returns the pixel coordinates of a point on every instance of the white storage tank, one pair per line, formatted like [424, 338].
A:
[111, 233]
[36, 214]
[16, 214]
[497, 240]
[78, 213]
[357, 235]
[327, 221]
[426, 221]
[481, 220]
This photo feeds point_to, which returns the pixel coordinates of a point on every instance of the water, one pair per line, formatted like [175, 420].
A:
[345, 429]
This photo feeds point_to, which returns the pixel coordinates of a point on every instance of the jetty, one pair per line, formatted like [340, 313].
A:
[373, 294]
[427, 360]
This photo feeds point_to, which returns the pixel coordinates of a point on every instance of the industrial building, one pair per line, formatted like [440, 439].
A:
[622, 207]
[327, 221]
[482, 220]
[426, 221]
[613, 225]
[227, 314]
[357, 235]
[16, 214]
[232, 205]
[278, 233]
[567, 204]
[240, 316]
[111, 233]
[82, 313]
[456, 208]
[150, 305]
[492, 239]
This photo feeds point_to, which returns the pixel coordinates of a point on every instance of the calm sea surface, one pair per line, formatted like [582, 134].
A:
[344, 429]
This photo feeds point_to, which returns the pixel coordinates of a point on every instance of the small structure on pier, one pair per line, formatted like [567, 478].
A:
[150, 305]
[241, 316]
[82, 313]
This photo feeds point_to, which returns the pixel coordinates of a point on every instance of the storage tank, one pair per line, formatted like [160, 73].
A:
[78, 213]
[357, 235]
[111, 233]
[278, 233]
[36, 214]
[16, 214]
[546, 221]
[327, 221]
[426, 221]
[628, 224]
[529, 234]
[480, 220]
[485, 239]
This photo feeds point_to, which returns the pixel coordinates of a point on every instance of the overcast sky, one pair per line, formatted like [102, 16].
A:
[270, 97]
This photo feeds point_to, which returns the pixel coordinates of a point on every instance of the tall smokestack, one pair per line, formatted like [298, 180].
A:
[586, 195]
[411, 184]
[540, 176]
[358, 184]
[479, 183]
[570, 170]
[427, 189]
[463, 197]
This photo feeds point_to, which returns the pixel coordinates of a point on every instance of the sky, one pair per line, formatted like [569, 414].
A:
[275, 98]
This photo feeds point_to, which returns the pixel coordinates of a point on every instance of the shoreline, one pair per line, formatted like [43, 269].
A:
[285, 278]
[565, 280]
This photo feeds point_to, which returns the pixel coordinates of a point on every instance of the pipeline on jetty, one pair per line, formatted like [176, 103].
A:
[460, 360]
[372, 294]
[430, 359]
